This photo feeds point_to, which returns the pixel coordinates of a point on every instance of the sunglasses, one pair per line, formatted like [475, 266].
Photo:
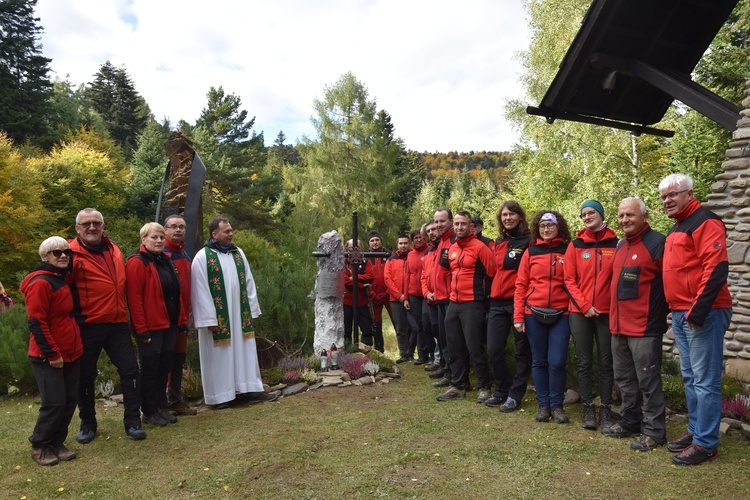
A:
[59, 253]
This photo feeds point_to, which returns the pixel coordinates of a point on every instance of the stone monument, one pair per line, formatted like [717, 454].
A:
[329, 293]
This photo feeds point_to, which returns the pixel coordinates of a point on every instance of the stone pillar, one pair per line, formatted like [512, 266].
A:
[730, 200]
[329, 294]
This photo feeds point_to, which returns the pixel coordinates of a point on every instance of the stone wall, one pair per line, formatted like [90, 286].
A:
[730, 199]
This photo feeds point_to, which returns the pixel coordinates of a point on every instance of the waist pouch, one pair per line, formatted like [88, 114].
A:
[546, 315]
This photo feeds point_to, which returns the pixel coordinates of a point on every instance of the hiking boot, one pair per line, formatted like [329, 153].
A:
[483, 395]
[543, 414]
[166, 416]
[443, 382]
[137, 433]
[86, 435]
[155, 419]
[588, 417]
[431, 366]
[559, 415]
[181, 409]
[63, 453]
[681, 443]
[43, 455]
[509, 405]
[618, 431]
[644, 443]
[493, 401]
[403, 359]
[605, 416]
[438, 373]
[695, 455]
[420, 361]
[452, 393]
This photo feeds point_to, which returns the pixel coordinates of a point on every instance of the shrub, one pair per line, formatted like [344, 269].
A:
[353, 365]
[15, 367]
[737, 407]
[290, 377]
[192, 387]
[385, 363]
[674, 392]
[272, 376]
[293, 364]
[731, 387]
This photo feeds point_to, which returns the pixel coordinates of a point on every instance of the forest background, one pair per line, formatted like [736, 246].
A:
[68, 145]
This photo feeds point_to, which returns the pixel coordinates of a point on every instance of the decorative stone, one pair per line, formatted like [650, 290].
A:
[733, 346]
[744, 202]
[738, 368]
[742, 337]
[295, 389]
[746, 430]
[718, 187]
[737, 192]
[724, 429]
[726, 176]
[737, 163]
[734, 424]
[571, 397]
[744, 355]
[737, 251]
[735, 184]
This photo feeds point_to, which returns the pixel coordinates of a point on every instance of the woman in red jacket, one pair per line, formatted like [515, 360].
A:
[514, 239]
[541, 310]
[153, 291]
[55, 350]
[588, 274]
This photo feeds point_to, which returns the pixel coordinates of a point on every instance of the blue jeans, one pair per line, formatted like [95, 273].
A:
[549, 353]
[701, 362]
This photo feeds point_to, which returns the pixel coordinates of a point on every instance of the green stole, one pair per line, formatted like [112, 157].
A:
[218, 294]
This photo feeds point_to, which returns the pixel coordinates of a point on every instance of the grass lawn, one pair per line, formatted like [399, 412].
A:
[391, 441]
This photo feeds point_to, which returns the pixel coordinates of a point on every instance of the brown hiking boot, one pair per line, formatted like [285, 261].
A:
[605, 417]
[559, 415]
[43, 455]
[63, 453]
[181, 408]
[543, 414]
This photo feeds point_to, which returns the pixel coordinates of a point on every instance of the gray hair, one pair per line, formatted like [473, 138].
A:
[88, 211]
[681, 181]
[641, 204]
[52, 243]
[151, 226]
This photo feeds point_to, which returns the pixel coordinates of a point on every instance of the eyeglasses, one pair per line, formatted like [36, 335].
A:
[93, 223]
[547, 227]
[672, 195]
[58, 253]
[181, 226]
[585, 215]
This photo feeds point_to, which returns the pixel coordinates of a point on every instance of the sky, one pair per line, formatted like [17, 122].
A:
[443, 69]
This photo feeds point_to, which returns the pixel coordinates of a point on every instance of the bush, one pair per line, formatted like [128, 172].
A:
[674, 392]
[737, 407]
[15, 367]
[272, 376]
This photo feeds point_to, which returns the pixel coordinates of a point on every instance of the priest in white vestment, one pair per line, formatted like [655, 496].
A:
[220, 274]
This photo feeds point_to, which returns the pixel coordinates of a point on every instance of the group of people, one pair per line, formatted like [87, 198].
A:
[85, 298]
[456, 296]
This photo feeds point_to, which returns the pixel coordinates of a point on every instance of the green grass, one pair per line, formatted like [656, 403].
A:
[391, 441]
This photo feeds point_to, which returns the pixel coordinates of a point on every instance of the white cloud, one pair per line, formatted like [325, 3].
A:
[442, 69]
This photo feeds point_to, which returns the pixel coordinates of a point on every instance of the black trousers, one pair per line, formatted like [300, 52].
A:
[156, 362]
[58, 389]
[419, 319]
[499, 326]
[114, 338]
[465, 337]
[364, 322]
[442, 308]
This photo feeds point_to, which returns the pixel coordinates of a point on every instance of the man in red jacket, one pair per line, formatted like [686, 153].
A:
[174, 247]
[397, 281]
[696, 268]
[637, 320]
[419, 317]
[379, 290]
[439, 284]
[98, 287]
[472, 264]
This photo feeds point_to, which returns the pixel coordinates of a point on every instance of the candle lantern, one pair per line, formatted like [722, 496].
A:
[334, 357]
[324, 361]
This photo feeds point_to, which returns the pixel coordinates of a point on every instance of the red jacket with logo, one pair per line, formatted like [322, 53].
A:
[98, 283]
[507, 254]
[428, 263]
[396, 276]
[182, 264]
[472, 264]
[415, 264]
[440, 278]
[379, 289]
[696, 266]
[588, 269]
[541, 278]
[149, 309]
[49, 307]
[638, 307]
[364, 277]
